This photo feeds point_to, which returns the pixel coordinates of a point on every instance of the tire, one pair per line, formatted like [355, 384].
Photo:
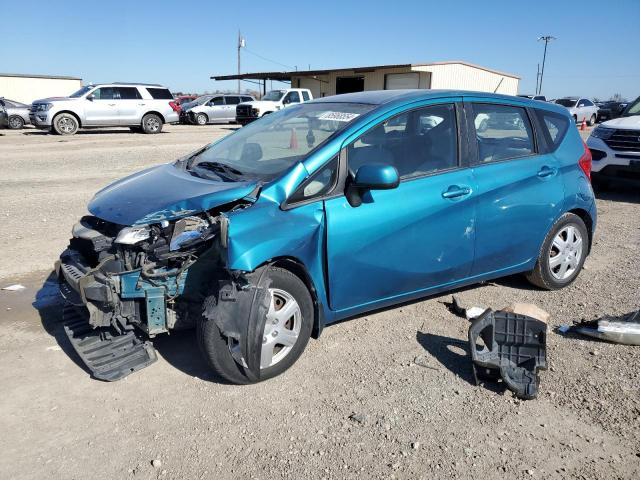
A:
[550, 276]
[65, 124]
[15, 122]
[151, 123]
[217, 349]
[202, 119]
[592, 120]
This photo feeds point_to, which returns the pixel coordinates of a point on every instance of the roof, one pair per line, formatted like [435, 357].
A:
[311, 73]
[26, 75]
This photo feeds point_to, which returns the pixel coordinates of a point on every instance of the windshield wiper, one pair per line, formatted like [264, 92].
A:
[218, 167]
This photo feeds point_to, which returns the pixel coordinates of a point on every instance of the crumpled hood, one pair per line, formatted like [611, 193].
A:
[164, 192]
[632, 122]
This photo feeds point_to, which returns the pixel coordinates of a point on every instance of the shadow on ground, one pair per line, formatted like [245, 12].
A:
[616, 192]
[89, 132]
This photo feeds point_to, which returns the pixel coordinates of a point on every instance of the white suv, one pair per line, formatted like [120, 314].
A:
[141, 107]
[273, 101]
[615, 147]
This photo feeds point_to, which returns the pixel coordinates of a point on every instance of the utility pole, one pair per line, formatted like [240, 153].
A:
[546, 39]
[241, 44]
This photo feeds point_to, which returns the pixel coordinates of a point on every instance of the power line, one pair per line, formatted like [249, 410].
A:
[268, 59]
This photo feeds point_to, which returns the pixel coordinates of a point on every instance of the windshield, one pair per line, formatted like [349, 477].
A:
[633, 108]
[274, 95]
[566, 102]
[80, 92]
[265, 148]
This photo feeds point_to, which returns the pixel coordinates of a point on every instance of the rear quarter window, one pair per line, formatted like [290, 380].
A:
[160, 93]
[554, 127]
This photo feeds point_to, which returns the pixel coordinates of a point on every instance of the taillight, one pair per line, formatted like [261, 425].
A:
[585, 161]
[175, 106]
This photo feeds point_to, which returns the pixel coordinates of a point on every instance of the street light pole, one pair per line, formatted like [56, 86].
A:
[240, 45]
[546, 39]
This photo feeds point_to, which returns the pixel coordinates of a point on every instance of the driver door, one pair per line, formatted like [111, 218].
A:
[292, 98]
[103, 108]
[417, 236]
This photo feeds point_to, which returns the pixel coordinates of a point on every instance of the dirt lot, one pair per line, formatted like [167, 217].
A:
[387, 395]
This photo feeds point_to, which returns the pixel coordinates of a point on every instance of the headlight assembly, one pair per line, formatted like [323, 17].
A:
[133, 235]
[43, 107]
[603, 132]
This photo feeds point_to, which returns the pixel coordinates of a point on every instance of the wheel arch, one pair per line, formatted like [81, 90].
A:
[585, 216]
[298, 268]
[70, 112]
[156, 113]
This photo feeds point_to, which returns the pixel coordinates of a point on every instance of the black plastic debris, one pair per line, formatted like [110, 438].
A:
[624, 329]
[510, 347]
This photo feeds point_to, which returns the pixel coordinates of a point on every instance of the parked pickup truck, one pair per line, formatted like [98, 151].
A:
[273, 101]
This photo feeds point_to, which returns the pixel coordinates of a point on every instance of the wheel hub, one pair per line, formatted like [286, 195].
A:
[565, 253]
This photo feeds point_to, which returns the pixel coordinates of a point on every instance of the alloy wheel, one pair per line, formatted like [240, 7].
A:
[565, 253]
[15, 122]
[66, 125]
[153, 125]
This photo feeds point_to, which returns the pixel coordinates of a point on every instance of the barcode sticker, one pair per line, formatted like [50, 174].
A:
[338, 116]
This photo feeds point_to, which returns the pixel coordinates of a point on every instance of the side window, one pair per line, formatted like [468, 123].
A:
[319, 184]
[104, 93]
[128, 93]
[216, 101]
[160, 93]
[582, 102]
[554, 127]
[417, 142]
[305, 96]
[502, 132]
[587, 103]
[247, 99]
[232, 100]
[292, 97]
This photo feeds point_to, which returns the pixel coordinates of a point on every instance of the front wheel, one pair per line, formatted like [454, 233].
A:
[151, 123]
[16, 122]
[562, 254]
[202, 119]
[592, 120]
[287, 329]
[65, 124]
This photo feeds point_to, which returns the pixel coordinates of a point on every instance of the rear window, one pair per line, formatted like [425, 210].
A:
[160, 93]
[554, 127]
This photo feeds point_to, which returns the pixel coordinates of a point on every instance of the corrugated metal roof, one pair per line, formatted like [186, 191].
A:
[311, 73]
[26, 75]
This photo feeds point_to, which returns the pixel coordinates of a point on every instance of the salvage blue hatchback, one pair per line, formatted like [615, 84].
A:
[320, 212]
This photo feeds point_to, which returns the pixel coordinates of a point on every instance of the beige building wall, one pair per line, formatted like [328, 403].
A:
[459, 76]
[448, 76]
[27, 89]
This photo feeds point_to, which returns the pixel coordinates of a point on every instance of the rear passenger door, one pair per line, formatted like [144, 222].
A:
[230, 107]
[520, 189]
[130, 105]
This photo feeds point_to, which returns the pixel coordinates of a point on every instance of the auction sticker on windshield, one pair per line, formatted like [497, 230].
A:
[338, 116]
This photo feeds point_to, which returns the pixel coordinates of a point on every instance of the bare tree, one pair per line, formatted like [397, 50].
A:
[616, 97]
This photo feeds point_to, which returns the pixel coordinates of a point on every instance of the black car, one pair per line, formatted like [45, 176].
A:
[4, 120]
[610, 110]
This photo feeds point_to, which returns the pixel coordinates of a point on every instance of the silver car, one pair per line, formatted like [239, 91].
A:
[218, 109]
[139, 106]
[17, 112]
[580, 109]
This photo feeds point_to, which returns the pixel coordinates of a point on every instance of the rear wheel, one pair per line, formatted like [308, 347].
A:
[592, 120]
[202, 119]
[151, 123]
[65, 124]
[287, 329]
[562, 254]
[16, 122]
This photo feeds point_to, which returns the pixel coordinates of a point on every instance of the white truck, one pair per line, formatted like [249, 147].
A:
[273, 101]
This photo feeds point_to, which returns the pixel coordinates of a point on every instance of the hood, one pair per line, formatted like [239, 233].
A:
[164, 192]
[631, 123]
[56, 99]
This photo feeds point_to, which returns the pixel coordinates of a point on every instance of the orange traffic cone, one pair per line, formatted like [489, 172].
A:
[293, 142]
[583, 125]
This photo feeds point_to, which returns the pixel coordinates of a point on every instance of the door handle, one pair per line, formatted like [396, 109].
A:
[455, 191]
[546, 172]
[112, 104]
[142, 104]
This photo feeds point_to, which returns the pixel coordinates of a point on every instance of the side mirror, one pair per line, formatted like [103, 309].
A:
[90, 97]
[376, 177]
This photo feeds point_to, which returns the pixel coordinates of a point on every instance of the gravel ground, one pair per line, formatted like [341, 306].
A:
[386, 395]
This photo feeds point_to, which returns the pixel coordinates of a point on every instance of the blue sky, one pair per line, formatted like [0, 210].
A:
[181, 44]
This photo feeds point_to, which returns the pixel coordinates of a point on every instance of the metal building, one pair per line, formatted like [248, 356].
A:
[27, 88]
[454, 75]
